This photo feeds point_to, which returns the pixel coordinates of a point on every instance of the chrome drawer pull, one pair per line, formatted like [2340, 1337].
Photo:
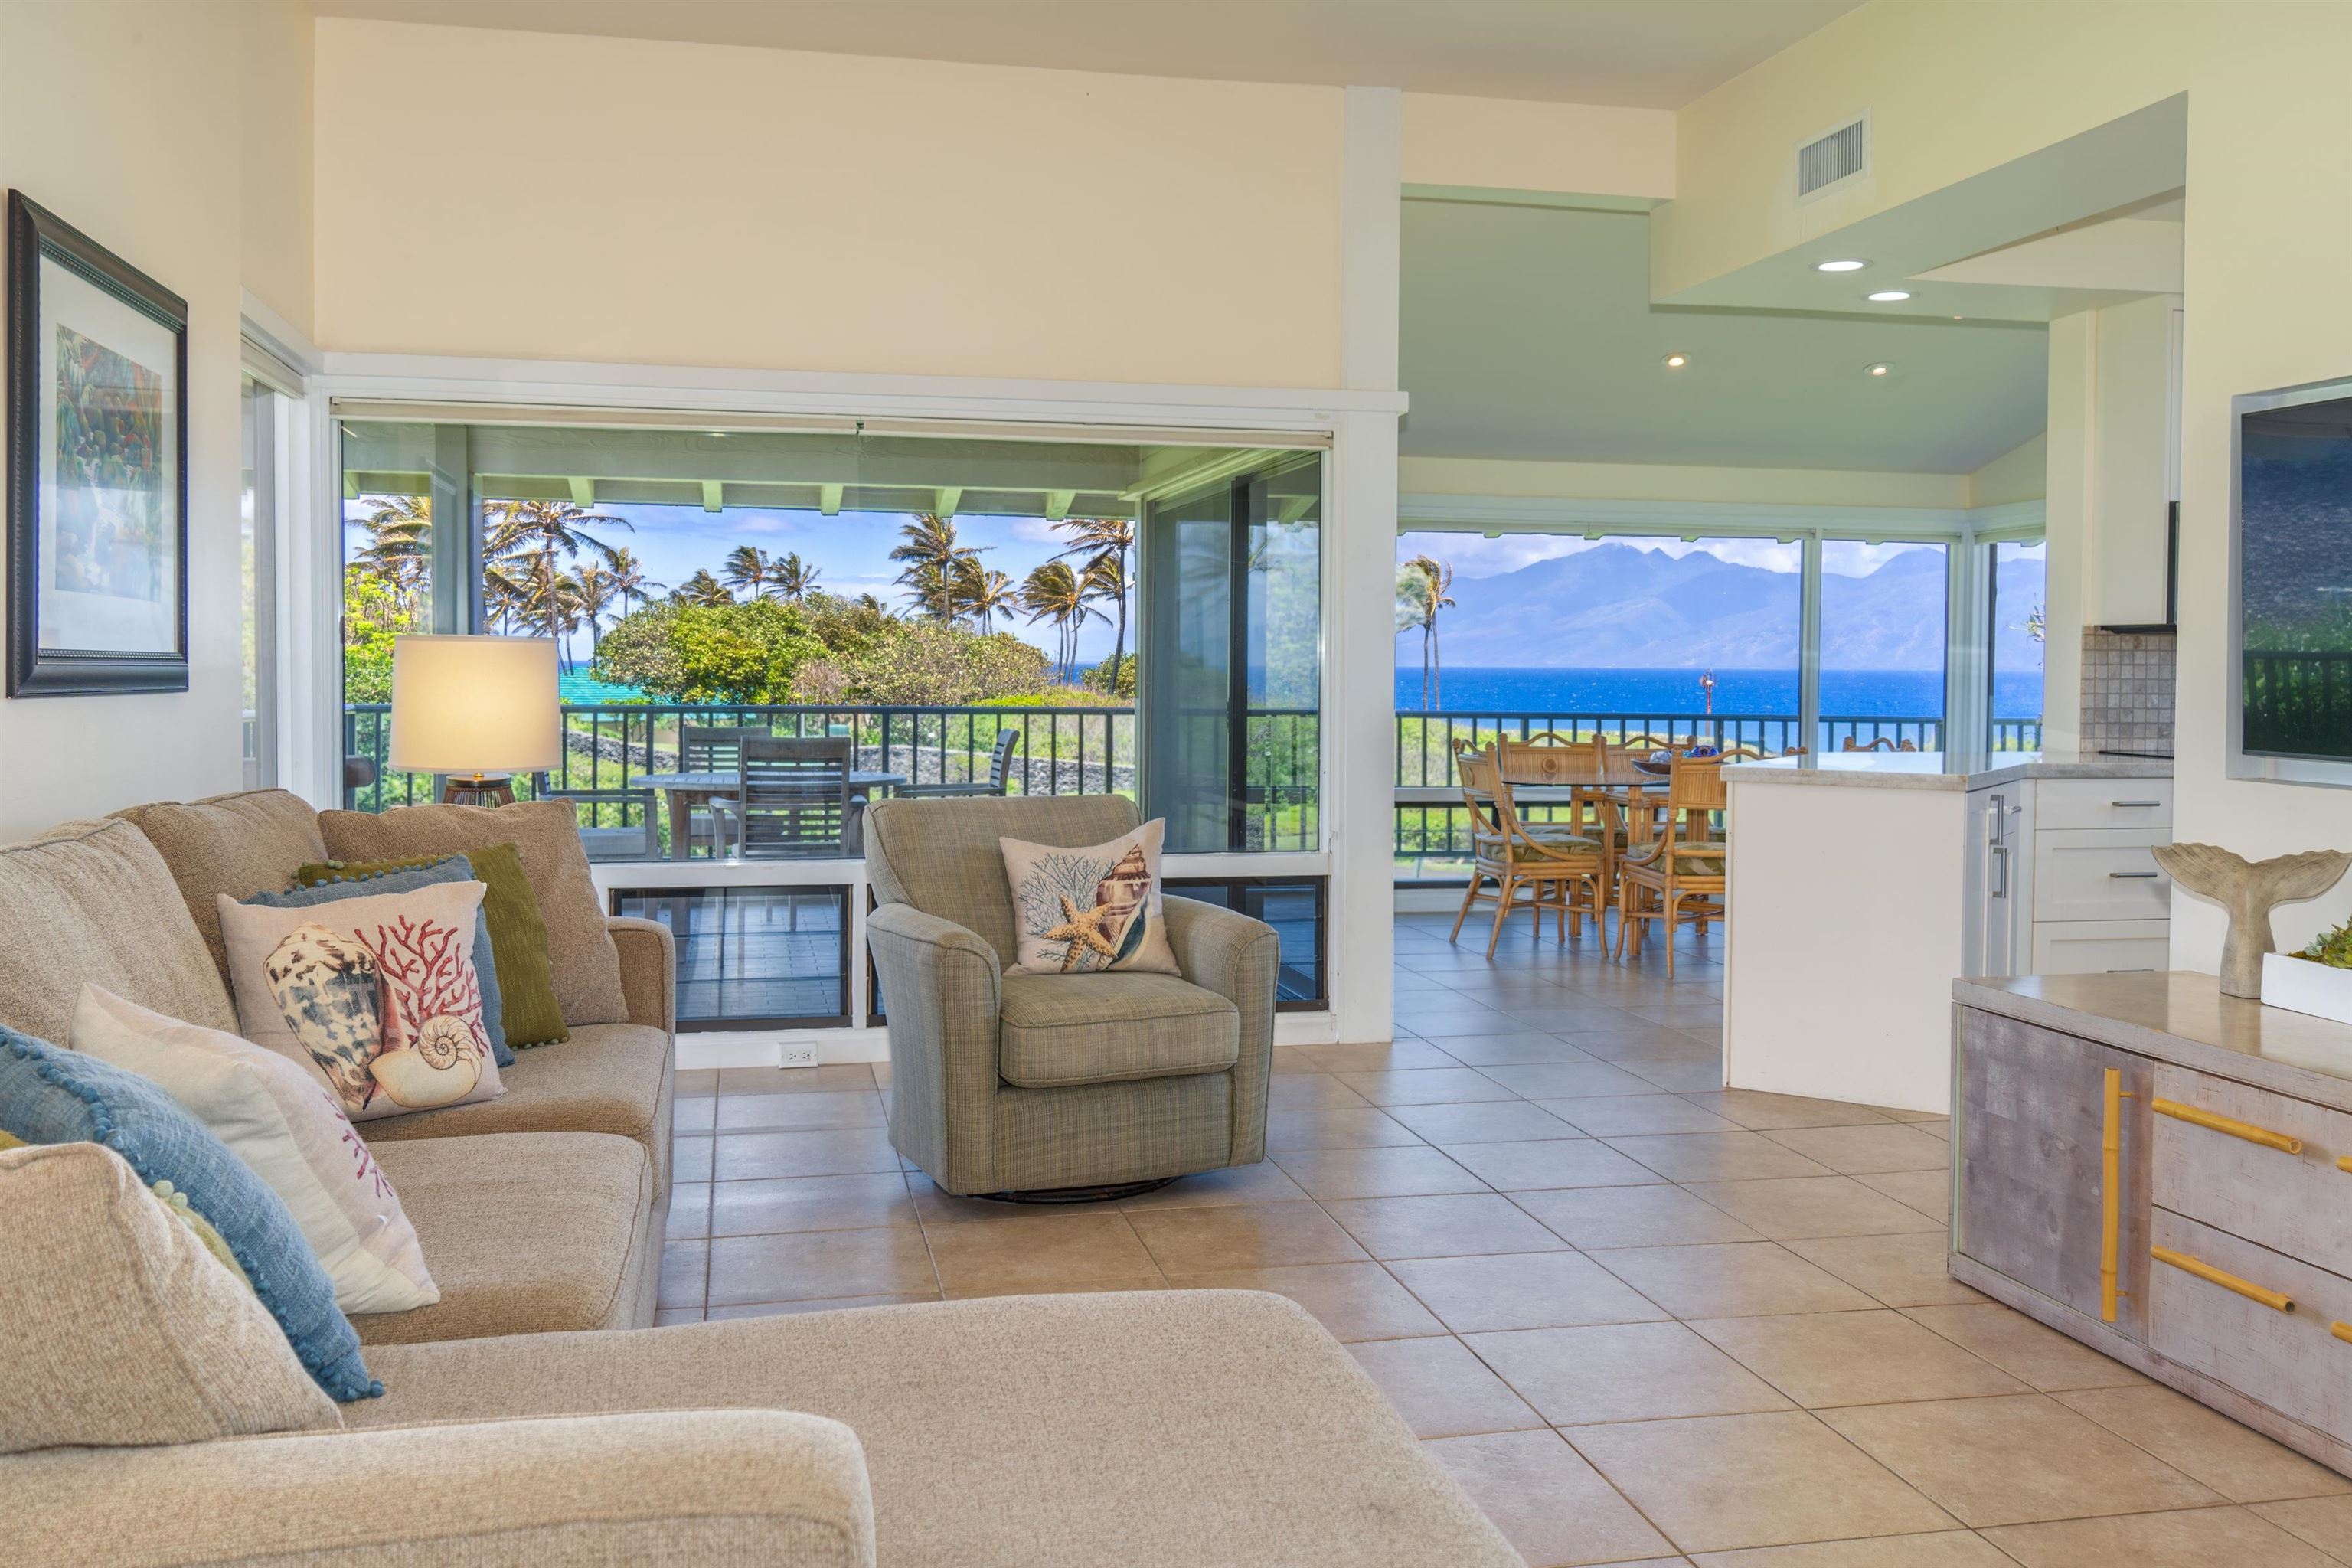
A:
[2275, 1300]
[2135, 804]
[2135, 876]
[2285, 1143]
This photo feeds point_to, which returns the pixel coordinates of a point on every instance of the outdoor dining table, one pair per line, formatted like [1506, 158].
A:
[687, 791]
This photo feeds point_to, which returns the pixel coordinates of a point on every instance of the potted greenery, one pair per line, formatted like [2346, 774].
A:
[2317, 980]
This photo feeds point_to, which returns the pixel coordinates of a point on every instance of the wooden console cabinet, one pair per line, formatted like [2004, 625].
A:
[2165, 1174]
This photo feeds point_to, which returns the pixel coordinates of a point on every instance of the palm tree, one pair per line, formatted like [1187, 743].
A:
[631, 586]
[525, 541]
[746, 568]
[593, 587]
[1104, 541]
[932, 553]
[702, 589]
[984, 596]
[1053, 593]
[1425, 587]
[794, 578]
[400, 541]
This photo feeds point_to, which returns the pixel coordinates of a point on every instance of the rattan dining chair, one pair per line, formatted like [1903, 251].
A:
[1563, 874]
[1678, 877]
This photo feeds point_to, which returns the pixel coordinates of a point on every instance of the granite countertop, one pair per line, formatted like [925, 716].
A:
[1939, 769]
[2182, 1017]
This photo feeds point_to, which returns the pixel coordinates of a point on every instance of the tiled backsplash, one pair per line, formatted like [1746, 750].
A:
[2128, 690]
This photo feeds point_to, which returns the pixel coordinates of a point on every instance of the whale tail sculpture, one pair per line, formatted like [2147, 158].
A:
[2249, 889]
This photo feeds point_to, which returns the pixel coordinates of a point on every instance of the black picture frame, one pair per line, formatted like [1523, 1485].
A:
[39, 238]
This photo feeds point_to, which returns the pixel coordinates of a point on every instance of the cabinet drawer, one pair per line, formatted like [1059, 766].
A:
[2291, 1360]
[2102, 802]
[2295, 1202]
[2100, 874]
[2101, 947]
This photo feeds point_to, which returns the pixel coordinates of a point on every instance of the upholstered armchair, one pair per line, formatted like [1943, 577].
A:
[1056, 1086]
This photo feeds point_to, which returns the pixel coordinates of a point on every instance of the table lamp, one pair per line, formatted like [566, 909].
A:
[476, 710]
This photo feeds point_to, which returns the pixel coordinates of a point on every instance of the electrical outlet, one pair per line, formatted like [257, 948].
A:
[796, 1054]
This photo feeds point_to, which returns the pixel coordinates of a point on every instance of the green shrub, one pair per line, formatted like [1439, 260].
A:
[2332, 948]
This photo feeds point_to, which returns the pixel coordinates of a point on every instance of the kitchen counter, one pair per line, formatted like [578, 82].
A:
[1939, 769]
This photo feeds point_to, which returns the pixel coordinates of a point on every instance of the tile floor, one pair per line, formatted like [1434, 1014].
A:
[1644, 1320]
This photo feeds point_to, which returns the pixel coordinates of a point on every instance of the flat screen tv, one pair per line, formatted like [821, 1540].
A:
[2292, 553]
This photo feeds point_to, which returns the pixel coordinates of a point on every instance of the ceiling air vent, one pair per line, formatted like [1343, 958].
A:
[1834, 158]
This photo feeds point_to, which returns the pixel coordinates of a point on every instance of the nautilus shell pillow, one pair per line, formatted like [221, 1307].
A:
[379, 995]
[1090, 912]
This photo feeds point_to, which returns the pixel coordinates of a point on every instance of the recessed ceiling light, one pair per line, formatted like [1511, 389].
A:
[1675, 362]
[1888, 296]
[1880, 369]
[1842, 264]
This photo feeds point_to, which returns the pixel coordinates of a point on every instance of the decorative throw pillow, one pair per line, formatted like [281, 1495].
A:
[518, 936]
[281, 1122]
[1082, 911]
[129, 1332]
[407, 879]
[51, 1095]
[546, 836]
[378, 993]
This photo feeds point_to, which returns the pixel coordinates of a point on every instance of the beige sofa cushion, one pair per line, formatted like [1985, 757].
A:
[122, 1329]
[525, 1233]
[943, 855]
[608, 1078]
[94, 902]
[237, 845]
[546, 835]
[1060, 1029]
[1180, 1429]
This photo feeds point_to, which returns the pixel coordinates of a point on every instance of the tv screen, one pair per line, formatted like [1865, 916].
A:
[2294, 544]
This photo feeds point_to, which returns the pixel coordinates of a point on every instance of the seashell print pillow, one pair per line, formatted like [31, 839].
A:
[1088, 912]
[378, 996]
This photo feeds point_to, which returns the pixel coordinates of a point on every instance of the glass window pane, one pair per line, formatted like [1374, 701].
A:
[753, 956]
[1286, 660]
[1189, 549]
[1883, 645]
[387, 588]
[2019, 626]
[258, 507]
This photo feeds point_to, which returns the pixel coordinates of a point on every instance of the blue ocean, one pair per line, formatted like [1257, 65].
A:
[1846, 693]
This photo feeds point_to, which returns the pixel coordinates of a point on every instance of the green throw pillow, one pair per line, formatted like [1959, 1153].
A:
[518, 936]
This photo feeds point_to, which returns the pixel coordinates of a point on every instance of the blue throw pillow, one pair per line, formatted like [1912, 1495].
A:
[49, 1095]
[456, 869]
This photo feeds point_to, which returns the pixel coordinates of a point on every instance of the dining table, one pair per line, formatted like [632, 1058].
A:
[687, 790]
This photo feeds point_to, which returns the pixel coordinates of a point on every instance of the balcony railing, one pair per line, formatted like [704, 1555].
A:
[2298, 704]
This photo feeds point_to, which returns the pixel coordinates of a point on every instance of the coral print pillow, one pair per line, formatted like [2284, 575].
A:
[1083, 911]
[379, 995]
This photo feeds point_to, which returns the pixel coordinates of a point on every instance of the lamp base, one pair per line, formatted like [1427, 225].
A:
[479, 789]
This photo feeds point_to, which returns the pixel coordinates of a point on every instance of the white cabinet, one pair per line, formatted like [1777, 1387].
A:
[2135, 465]
[2062, 877]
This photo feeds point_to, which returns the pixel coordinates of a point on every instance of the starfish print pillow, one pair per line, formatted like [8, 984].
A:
[1090, 912]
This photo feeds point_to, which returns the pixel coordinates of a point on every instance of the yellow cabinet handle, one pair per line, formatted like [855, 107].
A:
[2344, 1162]
[2341, 1330]
[2281, 1142]
[2274, 1299]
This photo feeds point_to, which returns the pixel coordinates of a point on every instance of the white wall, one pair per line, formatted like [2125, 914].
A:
[1506, 477]
[1578, 149]
[2021, 473]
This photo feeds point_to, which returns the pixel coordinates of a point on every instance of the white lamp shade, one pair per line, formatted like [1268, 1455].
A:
[475, 705]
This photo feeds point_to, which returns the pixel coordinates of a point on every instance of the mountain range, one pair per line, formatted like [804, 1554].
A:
[1616, 607]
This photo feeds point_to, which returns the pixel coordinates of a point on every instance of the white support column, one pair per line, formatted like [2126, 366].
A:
[1359, 692]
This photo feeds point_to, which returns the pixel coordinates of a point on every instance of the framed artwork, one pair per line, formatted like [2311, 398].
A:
[98, 467]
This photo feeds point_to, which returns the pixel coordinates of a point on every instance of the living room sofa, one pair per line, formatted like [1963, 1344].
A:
[530, 1417]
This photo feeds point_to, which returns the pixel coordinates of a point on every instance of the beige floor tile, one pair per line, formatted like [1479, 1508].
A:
[1509, 1051]
[1622, 1371]
[696, 1081]
[1484, 1122]
[1014, 1255]
[836, 1304]
[690, 1159]
[2325, 1523]
[1546, 1499]
[1288, 1059]
[1631, 1115]
[690, 1211]
[1383, 1173]
[1354, 1300]
[1679, 1076]
[1425, 1086]
[1007, 1287]
[1242, 1235]
[935, 1207]
[1732, 1280]
[1865, 1150]
[696, 1113]
[1944, 1549]
[1754, 1109]
[1790, 1207]
[1441, 1389]
[2015, 1461]
[1396, 1056]
[1551, 1163]
[1262, 1182]
[1721, 1482]
[2205, 1444]
[891, 1260]
[2024, 1349]
[1523, 1291]
[810, 1203]
[1929, 1191]
[2201, 1538]
[1900, 1271]
[664, 1317]
[1823, 1359]
[831, 1078]
[1364, 1129]
[1311, 1091]
[1717, 1157]
[685, 1270]
[1459, 1225]
[830, 1151]
[1568, 1080]
[791, 1112]
[1659, 1214]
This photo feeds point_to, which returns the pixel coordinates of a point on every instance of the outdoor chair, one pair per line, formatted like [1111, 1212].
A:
[793, 798]
[1560, 872]
[620, 841]
[712, 749]
[1057, 1088]
[1000, 773]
